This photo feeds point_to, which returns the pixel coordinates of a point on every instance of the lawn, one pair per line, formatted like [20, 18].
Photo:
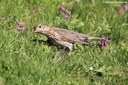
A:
[26, 59]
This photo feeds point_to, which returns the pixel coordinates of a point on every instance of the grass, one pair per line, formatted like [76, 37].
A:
[24, 62]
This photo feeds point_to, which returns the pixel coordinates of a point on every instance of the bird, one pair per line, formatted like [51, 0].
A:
[63, 37]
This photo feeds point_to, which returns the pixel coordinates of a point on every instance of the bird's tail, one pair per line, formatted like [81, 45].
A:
[94, 38]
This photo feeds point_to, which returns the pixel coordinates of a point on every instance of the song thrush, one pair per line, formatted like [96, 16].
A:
[63, 37]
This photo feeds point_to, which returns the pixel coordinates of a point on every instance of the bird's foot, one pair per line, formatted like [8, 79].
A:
[58, 56]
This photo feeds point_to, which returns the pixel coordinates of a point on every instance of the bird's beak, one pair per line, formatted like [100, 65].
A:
[35, 29]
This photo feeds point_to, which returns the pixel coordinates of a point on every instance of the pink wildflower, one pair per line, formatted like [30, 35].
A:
[66, 12]
[104, 42]
[122, 8]
[67, 17]
[21, 26]
[63, 8]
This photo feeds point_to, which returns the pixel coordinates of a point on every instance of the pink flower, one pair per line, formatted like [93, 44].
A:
[126, 6]
[122, 8]
[67, 17]
[21, 26]
[63, 8]
[104, 42]
[66, 12]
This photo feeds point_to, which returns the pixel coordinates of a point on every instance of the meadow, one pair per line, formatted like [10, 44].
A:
[26, 59]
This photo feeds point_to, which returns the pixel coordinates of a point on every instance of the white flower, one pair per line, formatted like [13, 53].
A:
[91, 68]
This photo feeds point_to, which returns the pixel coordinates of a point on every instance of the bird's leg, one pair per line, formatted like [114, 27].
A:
[68, 47]
[65, 50]
[58, 56]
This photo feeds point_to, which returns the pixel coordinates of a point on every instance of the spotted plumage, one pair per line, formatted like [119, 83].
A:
[63, 37]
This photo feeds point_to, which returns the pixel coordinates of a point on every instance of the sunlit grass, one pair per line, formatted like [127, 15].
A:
[28, 62]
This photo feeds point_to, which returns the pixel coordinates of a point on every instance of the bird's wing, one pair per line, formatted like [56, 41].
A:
[70, 36]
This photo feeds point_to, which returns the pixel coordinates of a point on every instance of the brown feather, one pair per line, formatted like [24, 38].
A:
[69, 36]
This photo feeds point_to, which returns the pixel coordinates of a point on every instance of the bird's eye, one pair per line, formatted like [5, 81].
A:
[39, 26]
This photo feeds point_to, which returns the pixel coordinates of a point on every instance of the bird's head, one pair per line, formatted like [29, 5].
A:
[40, 28]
